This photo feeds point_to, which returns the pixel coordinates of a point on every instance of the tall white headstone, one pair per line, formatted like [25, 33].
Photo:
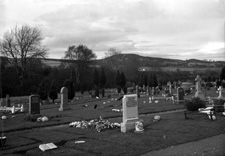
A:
[130, 112]
[64, 99]
[198, 92]
[220, 89]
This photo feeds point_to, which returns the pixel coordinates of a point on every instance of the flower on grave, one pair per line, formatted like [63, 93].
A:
[156, 118]
[44, 119]
[99, 125]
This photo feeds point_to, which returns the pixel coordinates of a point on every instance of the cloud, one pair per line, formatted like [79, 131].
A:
[170, 28]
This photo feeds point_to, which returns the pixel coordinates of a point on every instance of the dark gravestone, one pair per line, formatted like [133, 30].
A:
[137, 91]
[8, 104]
[180, 94]
[34, 104]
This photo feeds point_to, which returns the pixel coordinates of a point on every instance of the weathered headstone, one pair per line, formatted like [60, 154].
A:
[64, 99]
[170, 88]
[130, 112]
[3, 102]
[144, 88]
[8, 101]
[34, 104]
[137, 91]
[220, 89]
[148, 90]
[198, 92]
[168, 83]
[180, 95]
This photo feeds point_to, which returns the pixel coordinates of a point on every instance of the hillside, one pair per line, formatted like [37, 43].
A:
[131, 62]
[125, 61]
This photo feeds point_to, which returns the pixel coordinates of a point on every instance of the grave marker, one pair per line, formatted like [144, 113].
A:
[34, 104]
[170, 88]
[137, 91]
[180, 95]
[64, 99]
[8, 101]
[130, 112]
[3, 102]
[198, 92]
[220, 89]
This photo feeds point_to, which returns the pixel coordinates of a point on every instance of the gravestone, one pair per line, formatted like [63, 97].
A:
[144, 88]
[148, 90]
[220, 89]
[168, 83]
[170, 88]
[3, 102]
[34, 104]
[130, 112]
[137, 91]
[198, 92]
[8, 101]
[180, 95]
[64, 99]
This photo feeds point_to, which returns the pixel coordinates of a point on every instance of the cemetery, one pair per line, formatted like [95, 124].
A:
[124, 104]
[106, 125]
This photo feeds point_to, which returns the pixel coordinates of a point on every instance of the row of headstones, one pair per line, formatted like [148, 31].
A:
[5, 101]
[34, 102]
[130, 108]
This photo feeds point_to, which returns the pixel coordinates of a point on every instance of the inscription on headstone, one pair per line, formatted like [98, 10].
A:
[34, 104]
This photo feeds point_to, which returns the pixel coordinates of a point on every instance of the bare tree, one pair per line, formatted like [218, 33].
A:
[20, 45]
[80, 54]
[112, 51]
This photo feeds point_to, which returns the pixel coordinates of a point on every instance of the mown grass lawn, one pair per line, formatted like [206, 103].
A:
[171, 130]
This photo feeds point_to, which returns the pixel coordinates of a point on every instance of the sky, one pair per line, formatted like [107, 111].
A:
[176, 29]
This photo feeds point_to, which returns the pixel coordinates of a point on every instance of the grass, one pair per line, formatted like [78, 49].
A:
[173, 129]
[79, 112]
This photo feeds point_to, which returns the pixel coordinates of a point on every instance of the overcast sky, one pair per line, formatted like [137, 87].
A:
[177, 29]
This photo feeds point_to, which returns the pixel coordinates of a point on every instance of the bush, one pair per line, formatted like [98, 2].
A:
[53, 94]
[194, 104]
[219, 103]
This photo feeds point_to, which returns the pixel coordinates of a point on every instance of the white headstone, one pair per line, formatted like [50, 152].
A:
[64, 99]
[170, 88]
[220, 89]
[198, 92]
[130, 112]
[198, 83]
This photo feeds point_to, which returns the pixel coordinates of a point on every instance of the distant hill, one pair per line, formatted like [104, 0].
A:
[131, 62]
[141, 63]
